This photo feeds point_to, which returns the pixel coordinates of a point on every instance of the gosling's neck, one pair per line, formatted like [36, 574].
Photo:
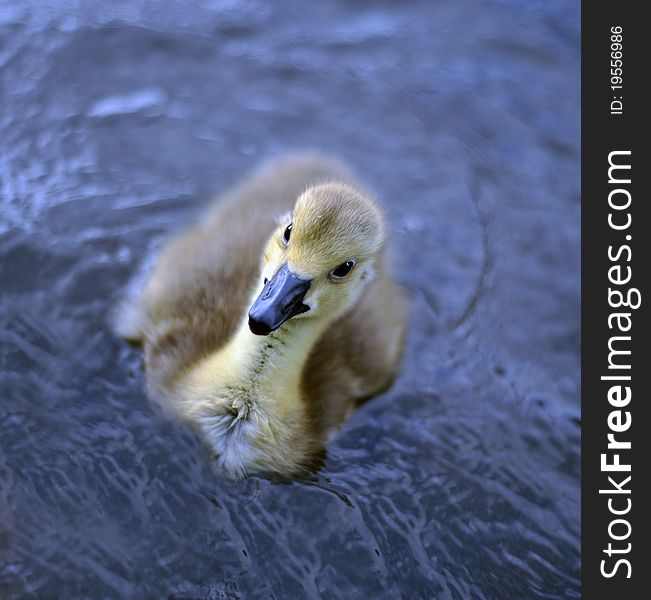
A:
[277, 358]
[252, 370]
[247, 398]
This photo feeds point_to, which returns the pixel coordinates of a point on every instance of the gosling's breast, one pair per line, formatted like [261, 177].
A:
[235, 438]
[250, 434]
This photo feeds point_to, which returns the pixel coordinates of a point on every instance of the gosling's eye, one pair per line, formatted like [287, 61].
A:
[342, 270]
[287, 233]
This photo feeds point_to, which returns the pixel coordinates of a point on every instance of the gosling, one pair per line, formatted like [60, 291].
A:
[268, 322]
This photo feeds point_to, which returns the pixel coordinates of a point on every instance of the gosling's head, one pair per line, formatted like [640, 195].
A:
[318, 261]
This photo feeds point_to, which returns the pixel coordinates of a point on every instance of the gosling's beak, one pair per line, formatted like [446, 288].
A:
[280, 300]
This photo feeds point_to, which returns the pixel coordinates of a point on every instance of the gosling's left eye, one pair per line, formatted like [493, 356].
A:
[342, 270]
[287, 233]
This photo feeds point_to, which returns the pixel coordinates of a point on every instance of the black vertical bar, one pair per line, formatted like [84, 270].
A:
[615, 556]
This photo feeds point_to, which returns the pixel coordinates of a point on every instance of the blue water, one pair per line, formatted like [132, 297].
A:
[118, 120]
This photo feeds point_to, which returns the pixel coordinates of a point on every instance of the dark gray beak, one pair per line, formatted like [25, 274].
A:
[280, 300]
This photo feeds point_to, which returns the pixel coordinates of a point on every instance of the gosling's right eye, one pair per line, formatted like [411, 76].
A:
[287, 233]
[342, 270]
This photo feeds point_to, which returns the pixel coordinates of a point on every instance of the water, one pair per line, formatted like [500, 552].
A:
[118, 120]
